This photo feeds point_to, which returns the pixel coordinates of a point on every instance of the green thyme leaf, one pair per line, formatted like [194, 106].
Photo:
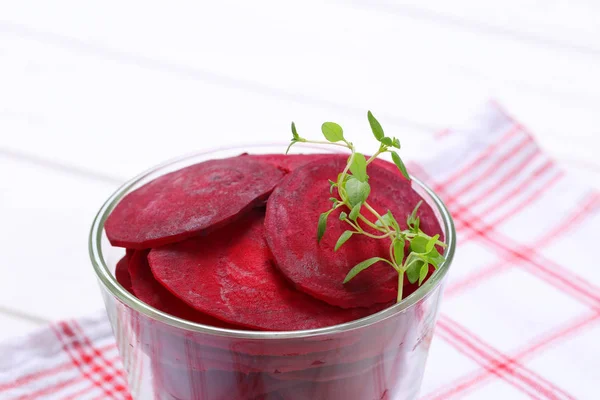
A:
[357, 191]
[416, 225]
[400, 164]
[375, 126]
[431, 243]
[419, 245]
[389, 220]
[332, 131]
[359, 167]
[339, 182]
[358, 268]
[399, 250]
[386, 221]
[387, 141]
[412, 218]
[413, 268]
[392, 220]
[294, 132]
[423, 273]
[322, 225]
[355, 211]
[343, 238]
[343, 216]
[435, 258]
[396, 143]
[332, 185]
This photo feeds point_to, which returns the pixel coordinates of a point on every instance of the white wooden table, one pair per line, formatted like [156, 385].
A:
[94, 92]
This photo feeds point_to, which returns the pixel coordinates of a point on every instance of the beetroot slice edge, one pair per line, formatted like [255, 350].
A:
[122, 273]
[148, 289]
[293, 210]
[189, 201]
[286, 162]
[229, 275]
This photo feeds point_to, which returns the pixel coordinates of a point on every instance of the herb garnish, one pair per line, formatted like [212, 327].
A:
[353, 190]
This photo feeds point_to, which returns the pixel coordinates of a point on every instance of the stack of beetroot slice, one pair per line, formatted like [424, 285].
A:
[232, 243]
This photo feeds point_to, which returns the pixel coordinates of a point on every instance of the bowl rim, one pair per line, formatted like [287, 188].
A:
[109, 282]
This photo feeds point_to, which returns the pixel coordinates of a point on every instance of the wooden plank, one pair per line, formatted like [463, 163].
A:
[46, 215]
[129, 110]
[562, 24]
[135, 117]
[13, 326]
[139, 84]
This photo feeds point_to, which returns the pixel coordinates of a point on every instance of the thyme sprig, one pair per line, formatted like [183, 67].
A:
[353, 191]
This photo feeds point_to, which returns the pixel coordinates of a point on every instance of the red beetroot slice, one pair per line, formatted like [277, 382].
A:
[229, 275]
[379, 383]
[147, 289]
[122, 274]
[369, 386]
[333, 372]
[183, 383]
[293, 210]
[291, 162]
[253, 347]
[373, 345]
[288, 162]
[183, 203]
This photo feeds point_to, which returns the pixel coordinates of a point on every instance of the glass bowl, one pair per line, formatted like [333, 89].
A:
[381, 356]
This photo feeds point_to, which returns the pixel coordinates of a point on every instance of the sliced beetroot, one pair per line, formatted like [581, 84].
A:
[344, 358]
[333, 372]
[354, 388]
[229, 275]
[410, 288]
[122, 273]
[181, 342]
[280, 347]
[377, 383]
[291, 162]
[191, 200]
[293, 211]
[288, 162]
[184, 383]
[147, 289]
